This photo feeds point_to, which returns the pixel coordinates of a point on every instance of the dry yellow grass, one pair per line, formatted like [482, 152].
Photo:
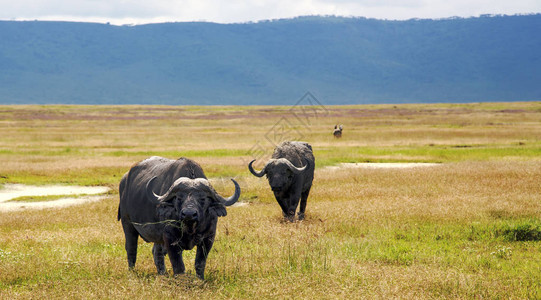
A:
[436, 232]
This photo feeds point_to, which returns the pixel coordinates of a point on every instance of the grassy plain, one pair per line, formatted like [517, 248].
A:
[469, 228]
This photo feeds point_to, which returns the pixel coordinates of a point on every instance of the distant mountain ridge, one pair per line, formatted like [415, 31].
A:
[339, 60]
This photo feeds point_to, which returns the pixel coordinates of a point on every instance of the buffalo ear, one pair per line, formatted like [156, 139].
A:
[218, 209]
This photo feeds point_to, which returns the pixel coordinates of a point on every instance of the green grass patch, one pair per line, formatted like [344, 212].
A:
[183, 153]
[99, 176]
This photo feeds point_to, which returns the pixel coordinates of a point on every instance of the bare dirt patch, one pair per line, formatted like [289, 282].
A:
[13, 191]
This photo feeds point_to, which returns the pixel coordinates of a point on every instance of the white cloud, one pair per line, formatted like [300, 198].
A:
[139, 11]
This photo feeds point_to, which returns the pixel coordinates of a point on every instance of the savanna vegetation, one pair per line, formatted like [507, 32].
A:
[467, 228]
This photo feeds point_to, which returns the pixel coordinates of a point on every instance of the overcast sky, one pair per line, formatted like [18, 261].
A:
[152, 11]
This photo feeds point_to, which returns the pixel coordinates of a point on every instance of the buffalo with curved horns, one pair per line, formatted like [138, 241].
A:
[182, 216]
[290, 173]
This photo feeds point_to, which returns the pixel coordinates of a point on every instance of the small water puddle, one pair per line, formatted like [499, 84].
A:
[13, 191]
[381, 165]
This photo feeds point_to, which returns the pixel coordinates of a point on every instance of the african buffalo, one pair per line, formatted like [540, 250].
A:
[337, 132]
[184, 216]
[288, 178]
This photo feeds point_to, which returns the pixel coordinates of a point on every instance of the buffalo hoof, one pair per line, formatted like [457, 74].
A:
[289, 217]
[179, 275]
[300, 216]
[162, 272]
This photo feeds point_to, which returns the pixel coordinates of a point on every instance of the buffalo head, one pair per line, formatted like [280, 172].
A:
[280, 173]
[192, 201]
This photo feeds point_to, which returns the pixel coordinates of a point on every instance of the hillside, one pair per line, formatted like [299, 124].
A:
[339, 60]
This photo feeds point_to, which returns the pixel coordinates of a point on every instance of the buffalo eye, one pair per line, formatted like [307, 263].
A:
[179, 198]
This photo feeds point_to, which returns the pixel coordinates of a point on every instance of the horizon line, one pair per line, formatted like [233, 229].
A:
[112, 23]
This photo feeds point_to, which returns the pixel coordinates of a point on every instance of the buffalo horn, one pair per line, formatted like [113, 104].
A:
[295, 169]
[149, 190]
[152, 195]
[231, 200]
[258, 174]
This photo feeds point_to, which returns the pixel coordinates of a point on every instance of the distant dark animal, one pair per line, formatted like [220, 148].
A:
[337, 131]
[184, 216]
[290, 173]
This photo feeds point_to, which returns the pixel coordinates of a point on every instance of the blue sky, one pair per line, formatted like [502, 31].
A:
[121, 12]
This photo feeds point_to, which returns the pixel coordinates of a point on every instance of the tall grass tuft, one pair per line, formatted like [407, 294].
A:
[518, 231]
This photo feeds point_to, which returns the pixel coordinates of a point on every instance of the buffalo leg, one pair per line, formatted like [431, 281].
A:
[282, 203]
[132, 236]
[304, 197]
[175, 256]
[158, 252]
[203, 250]
[293, 203]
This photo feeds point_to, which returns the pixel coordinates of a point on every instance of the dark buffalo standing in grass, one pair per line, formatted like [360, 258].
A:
[290, 173]
[184, 216]
[337, 132]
